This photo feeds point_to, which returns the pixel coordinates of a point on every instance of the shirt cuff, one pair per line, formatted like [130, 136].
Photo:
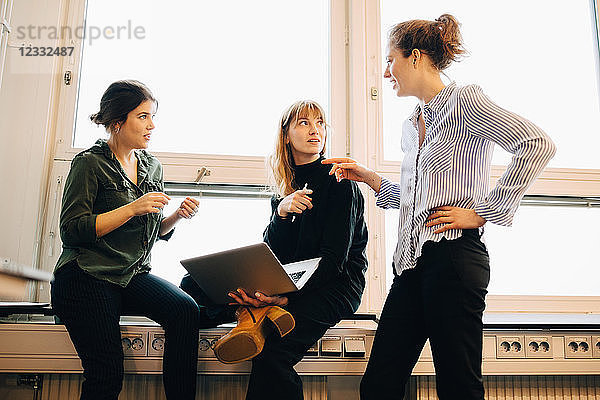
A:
[87, 226]
[486, 212]
[279, 219]
[384, 194]
[167, 235]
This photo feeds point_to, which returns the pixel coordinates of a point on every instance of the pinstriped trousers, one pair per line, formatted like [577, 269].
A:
[90, 309]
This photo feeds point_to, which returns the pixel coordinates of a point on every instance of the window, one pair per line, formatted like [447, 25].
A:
[202, 60]
[226, 219]
[525, 62]
[222, 78]
[516, 58]
[549, 250]
[222, 72]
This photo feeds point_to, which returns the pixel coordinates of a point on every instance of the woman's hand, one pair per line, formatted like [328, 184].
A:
[454, 218]
[347, 168]
[150, 203]
[295, 202]
[259, 299]
[188, 208]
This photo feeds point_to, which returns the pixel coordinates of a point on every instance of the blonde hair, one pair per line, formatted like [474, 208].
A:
[281, 162]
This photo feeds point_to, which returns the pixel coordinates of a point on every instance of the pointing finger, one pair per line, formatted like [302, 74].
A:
[336, 160]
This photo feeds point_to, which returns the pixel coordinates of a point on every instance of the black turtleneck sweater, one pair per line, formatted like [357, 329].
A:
[333, 229]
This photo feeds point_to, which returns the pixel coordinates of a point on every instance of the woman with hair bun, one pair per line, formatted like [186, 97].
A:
[111, 216]
[441, 266]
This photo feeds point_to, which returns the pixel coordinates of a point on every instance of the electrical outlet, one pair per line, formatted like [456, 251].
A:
[578, 347]
[206, 345]
[134, 344]
[354, 346]
[510, 347]
[313, 351]
[538, 347]
[157, 344]
[596, 346]
[331, 346]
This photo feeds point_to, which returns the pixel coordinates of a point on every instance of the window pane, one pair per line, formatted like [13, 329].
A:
[221, 224]
[549, 251]
[517, 55]
[223, 71]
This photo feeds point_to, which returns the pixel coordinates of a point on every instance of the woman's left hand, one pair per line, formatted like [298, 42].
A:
[188, 208]
[454, 218]
[259, 299]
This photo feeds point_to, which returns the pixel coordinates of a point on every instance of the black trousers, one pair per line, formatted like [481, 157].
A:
[273, 375]
[90, 309]
[442, 300]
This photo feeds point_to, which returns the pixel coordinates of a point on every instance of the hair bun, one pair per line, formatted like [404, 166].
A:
[440, 39]
[96, 118]
[444, 18]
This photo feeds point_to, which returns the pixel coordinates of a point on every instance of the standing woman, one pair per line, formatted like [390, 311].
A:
[441, 266]
[111, 216]
[313, 216]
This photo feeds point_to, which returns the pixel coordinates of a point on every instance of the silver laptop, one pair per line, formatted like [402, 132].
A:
[252, 268]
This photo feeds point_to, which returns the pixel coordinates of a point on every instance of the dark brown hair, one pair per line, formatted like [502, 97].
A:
[118, 100]
[439, 39]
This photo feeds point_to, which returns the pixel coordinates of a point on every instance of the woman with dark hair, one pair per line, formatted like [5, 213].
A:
[312, 216]
[111, 216]
[441, 265]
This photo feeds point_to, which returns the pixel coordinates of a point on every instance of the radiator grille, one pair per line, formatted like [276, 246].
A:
[221, 387]
[149, 387]
[525, 387]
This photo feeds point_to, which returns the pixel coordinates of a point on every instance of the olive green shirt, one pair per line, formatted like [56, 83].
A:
[97, 184]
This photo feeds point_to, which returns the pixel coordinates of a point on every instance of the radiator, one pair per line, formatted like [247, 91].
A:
[150, 387]
[525, 387]
[233, 387]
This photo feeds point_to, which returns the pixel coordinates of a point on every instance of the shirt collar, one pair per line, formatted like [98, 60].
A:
[101, 147]
[440, 99]
[436, 103]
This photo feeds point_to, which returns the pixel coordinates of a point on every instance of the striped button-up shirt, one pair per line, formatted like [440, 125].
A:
[452, 166]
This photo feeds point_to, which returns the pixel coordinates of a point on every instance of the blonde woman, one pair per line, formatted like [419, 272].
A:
[313, 216]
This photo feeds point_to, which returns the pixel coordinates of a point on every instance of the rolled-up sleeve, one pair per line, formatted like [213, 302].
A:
[77, 220]
[531, 147]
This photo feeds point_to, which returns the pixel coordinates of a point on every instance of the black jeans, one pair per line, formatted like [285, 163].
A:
[273, 375]
[442, 300]
[90, 309]
[211, 314]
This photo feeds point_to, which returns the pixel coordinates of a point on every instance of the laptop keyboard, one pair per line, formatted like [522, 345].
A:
[296, 276]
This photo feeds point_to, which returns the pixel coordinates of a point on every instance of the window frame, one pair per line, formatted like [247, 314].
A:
[552, 181]
[355, 69]
[183, 167]
[178, 167]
